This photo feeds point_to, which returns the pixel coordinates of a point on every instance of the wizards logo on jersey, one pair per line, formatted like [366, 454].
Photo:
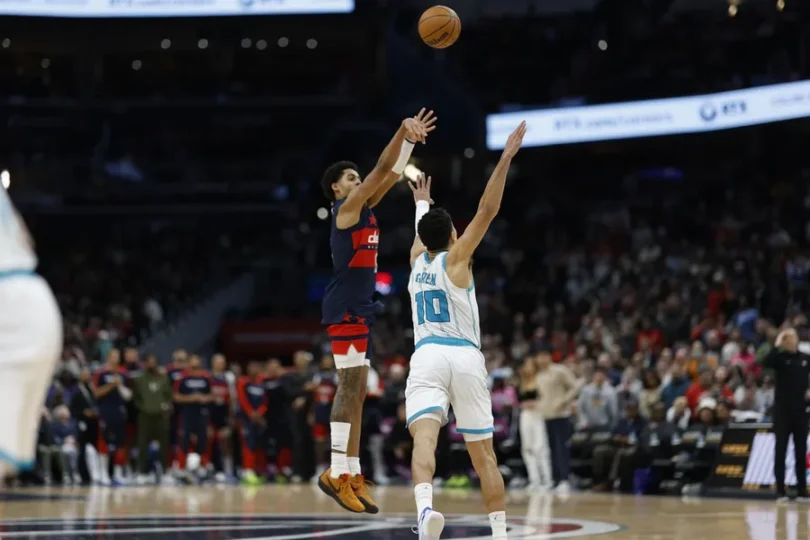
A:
[365, 242]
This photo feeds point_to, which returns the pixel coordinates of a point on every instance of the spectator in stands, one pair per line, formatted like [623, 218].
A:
[658, 438]
[651, 393]
[722, 413]
[702, 386]
[617, 456]
[630, 388]
[65, 444]
[598, 405]
[557, 389]
[679, 414]
[678, 385]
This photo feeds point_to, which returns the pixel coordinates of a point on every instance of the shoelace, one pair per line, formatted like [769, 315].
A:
[360, 481]
[415, 529]
[346, 484]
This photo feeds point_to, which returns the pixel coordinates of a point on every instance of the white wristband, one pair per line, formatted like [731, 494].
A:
[422, 208]
[404, 156]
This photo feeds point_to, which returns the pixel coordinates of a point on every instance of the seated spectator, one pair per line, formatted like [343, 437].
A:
[746, 358]
[65, 442]
[611, 459]
[699, 388]
[722, 413]
[678, 385]
[597, 404]
[679, 414]
[651, 393]
[659, 434]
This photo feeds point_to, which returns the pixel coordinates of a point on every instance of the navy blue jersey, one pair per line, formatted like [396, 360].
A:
[221, 407]
[113, 403]
[194, 382]
[354, 263]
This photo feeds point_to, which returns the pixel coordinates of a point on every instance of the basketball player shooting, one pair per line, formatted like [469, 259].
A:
[348, 305]
[447, 367]
[30, 341]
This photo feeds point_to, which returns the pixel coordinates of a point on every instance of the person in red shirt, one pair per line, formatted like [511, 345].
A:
[649, 334]
[706, 386]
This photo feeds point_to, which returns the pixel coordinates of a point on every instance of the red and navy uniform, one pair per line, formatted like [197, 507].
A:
[195, 415]
[112, 410]
[220, 409]
[133, 369]
[348, 305]
[174, 372]
[325, 387]
[252, 397]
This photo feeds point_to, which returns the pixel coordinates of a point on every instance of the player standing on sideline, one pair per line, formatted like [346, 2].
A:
[193, 391]
[251, 395]
[111, 393]
[30, 341]
[221, 417]
[447, 367]
[348, 305]
[175, 371]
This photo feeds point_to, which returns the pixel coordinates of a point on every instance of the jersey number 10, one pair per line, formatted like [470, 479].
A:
[431, 306]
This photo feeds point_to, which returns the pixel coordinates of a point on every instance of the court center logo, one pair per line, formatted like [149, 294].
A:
[292, 527]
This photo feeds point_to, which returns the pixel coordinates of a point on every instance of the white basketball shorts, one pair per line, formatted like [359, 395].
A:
[30, 345]
[445, 375]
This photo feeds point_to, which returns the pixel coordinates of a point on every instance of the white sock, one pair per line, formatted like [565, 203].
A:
[354, 466]
[339, 433]
[497, 520]
[340, 465]
[423, 493]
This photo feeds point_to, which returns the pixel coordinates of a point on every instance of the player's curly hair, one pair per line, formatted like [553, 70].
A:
[332, 175]
[435, 229]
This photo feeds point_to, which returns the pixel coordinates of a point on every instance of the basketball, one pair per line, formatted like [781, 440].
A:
[439, 27]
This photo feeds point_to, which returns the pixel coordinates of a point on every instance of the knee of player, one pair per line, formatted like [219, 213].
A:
[482, 455]
[424, 440]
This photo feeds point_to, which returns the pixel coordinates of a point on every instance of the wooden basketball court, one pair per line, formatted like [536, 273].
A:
[302, 512]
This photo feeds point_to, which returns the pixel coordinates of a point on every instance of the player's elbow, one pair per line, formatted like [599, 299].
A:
[489, 209]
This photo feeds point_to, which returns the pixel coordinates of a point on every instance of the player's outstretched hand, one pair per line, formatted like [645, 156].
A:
[420, 125]
[421, 189]
[514, 141]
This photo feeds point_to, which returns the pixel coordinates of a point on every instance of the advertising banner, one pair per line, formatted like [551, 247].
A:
[745, 462]
[693, 114]
[170, 8]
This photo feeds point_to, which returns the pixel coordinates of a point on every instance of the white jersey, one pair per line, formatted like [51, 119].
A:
[442, 313]
[16, 251]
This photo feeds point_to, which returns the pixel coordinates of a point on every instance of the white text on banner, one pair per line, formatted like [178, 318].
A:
[693, 114]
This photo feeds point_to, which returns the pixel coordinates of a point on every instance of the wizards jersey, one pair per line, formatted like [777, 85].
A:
[354, 262]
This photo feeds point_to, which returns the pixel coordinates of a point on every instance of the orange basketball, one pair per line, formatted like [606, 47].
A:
[439, 27]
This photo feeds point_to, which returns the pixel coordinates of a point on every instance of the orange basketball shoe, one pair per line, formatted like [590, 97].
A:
[360, 487]
[342, 491]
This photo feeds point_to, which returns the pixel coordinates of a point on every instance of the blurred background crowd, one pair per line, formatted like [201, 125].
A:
[170, 183]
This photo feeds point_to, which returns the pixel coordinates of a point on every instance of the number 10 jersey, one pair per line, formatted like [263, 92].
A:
[443, 313]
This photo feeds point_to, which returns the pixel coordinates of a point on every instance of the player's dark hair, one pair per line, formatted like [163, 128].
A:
[332, 175]
[435, 229]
